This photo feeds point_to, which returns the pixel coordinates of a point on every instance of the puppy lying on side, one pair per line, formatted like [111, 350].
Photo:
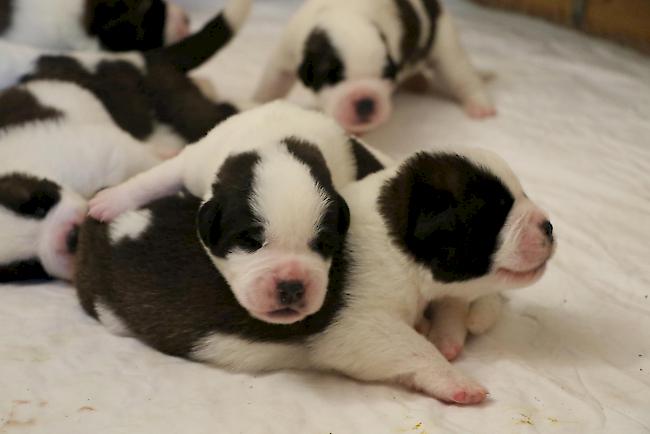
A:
[266, 126]
[440, 224]
[271, 217]
[50, 164]
[354, 54]
[148, 95]
[116, 25]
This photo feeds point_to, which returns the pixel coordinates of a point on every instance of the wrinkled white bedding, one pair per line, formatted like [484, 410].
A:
[571, 354]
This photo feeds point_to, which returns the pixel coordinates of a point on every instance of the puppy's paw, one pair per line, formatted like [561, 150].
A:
[479, 110]
[452, 386]
[484, 313]
[448, 346]
[110, 203]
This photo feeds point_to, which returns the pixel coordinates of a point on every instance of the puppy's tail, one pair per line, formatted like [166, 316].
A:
[194, 50]
[15, 61]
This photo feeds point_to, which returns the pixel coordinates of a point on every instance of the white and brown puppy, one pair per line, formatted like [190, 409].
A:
[439, 225]
[149, 95]
[115, 25]
[50, 164]
[268, 178]
[353, 55]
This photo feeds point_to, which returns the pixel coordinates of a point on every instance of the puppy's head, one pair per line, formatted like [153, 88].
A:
[125, 25]
[38, 220]
[346, 62]
[271, 227]
[467, 218]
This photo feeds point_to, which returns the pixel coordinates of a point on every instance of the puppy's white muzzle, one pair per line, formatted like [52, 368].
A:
[177, 24]
[359, 105]
[276, 287]
[527, 246]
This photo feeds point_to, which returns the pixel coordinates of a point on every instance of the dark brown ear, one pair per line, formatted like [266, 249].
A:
[28, 196]
[209, 222]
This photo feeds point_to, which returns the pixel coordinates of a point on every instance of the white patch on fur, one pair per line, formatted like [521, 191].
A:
[131, 225]
[50, 24]
[243, 355]
[18, 237]
[112, 322]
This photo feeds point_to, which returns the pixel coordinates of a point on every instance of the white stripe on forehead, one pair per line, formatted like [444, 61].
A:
[287, 199]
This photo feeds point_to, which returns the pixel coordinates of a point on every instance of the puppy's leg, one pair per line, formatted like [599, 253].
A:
[448, 329]
[155, 183]
[382, 348]
[450, 60]
[484, 313]
[278, 77]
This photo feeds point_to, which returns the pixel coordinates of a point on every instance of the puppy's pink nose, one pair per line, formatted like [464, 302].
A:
[290, 291]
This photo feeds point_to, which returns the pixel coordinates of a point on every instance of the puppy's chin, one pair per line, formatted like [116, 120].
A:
[177, 24]
[285, 315]
[520, 278]
[358, 106]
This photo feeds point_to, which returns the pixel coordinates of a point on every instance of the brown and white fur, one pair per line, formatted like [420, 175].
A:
[354, 54]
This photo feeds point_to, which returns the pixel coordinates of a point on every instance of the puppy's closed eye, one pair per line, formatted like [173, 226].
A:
[250, 240]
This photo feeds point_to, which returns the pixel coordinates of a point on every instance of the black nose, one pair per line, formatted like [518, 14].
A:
[547, 228]
[72, 239]
[290, 291]
[365, 108]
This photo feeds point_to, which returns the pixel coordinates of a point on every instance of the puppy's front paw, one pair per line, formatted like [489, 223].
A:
[484, 313]
[449, 346]
[109, 203]
[452, 386]
[477, 110]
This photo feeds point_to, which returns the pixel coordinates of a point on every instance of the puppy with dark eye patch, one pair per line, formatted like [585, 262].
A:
[354, 54]
[271, 215]
[115, 25]
[438, 225]
[149, 95]
[51, 162]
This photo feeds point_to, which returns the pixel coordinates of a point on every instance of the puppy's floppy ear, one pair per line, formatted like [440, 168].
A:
[208, 222]
[343, 214]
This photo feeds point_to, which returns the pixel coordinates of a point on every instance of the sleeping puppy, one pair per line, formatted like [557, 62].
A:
[50, 164]
[353, 55]
[438, 225]
[267, 126]
[271, 216]
[115, 25]
[149, 95]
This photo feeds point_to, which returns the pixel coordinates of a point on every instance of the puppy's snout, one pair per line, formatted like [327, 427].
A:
[365, 109]
[290, 291]
[547, 229]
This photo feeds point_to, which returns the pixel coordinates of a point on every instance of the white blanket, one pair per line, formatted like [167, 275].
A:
[570, 354]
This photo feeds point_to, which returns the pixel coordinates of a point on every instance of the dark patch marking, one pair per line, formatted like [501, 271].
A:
[366, 163]
[22, 271]
[196, 49]
[27, 195]
[125, 25]
[411, 30]
[6, 11]
[18, 106]
[446, 213]
[227, 221]
[321, 63]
